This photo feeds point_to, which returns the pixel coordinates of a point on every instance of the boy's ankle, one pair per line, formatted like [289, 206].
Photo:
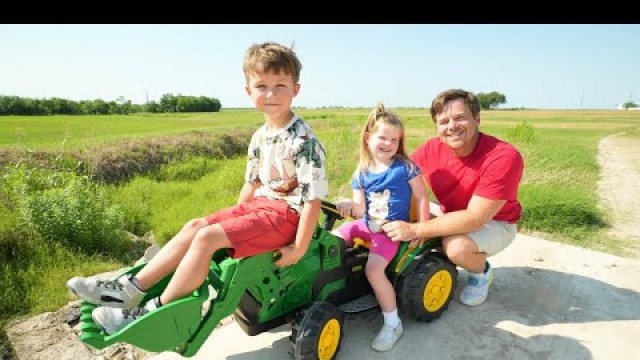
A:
[134, 281]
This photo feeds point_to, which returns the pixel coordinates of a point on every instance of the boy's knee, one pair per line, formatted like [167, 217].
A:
[196, 223]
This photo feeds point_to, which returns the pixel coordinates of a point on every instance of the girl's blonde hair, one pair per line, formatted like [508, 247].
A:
[376, 117]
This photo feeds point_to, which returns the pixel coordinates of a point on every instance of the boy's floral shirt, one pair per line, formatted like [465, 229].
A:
[288, 164]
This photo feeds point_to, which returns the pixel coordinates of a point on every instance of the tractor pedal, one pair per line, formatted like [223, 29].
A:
[360, 304]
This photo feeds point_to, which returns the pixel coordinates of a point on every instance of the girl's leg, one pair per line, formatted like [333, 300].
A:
[352, 229]
[168, 258]
[194, 267]
[392, 327]
[380, 283]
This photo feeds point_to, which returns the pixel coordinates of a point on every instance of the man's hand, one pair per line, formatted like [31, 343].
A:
[417, 243]
[399, 230]
[289, 255]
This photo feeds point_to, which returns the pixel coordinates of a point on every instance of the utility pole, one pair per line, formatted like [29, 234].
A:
[581, 100]
[146, 92]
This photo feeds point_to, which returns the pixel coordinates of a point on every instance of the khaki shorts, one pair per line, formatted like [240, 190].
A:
[494, 236]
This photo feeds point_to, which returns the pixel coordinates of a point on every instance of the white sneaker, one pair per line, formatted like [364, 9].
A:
[112, 320]
[386, 338]
[120, 293]
[477, 289]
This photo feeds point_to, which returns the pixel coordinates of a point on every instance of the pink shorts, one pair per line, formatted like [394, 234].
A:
[380, 242]
[258, 226]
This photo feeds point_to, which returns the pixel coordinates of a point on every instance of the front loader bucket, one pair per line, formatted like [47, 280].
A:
[167, 329]
[184, 325]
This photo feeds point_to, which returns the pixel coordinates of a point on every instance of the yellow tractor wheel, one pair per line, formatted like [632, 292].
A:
[425, 292]
[316, 332]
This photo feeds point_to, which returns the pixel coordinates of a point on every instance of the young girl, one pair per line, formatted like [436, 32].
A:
[382, 184]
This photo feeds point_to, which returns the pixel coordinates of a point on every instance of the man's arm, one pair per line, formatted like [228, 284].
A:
[309, 217]
[479, 212]
[419, 193]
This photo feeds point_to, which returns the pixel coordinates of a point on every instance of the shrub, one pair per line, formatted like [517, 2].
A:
[77, 214]
[68, 209]
[523, 132]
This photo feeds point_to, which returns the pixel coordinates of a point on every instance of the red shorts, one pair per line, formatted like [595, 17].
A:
[258, 226]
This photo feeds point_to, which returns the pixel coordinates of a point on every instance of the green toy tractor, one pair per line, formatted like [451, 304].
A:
[312, 296]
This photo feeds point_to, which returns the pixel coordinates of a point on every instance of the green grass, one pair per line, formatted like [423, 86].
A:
[174, 200]
[60, 133]
[558, 190]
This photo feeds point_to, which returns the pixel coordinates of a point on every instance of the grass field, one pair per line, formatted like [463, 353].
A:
[558, 190]
[560, 154]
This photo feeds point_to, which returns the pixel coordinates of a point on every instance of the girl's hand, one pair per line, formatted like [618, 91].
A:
[345, 207]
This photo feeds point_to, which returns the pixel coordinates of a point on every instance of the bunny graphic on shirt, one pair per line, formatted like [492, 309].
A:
[378, 209]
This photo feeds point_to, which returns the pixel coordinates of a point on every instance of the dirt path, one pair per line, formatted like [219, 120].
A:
[619, 186]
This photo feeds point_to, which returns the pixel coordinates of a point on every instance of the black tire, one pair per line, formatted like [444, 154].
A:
[426, 292]
[316, 332]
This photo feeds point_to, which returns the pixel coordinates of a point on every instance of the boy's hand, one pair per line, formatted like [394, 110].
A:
[289, 255]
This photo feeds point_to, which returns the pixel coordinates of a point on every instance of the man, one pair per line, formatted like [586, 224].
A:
[475, 178]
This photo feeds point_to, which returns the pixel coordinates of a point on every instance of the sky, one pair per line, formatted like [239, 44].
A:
[545, 66]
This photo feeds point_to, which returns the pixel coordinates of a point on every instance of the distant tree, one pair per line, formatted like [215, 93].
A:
[100, 107]
[15, 105]
[629, 104]
[168, 103]
[491, 100]
[152, 107]
[183, 103]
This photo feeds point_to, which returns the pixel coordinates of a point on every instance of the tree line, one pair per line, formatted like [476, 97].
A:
[169, 103]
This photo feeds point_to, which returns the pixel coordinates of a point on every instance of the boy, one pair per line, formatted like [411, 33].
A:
[278, 206]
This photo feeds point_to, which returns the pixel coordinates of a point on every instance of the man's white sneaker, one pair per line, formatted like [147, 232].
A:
[120, 293]
[386, 338]
[112, 320]
[477, 289]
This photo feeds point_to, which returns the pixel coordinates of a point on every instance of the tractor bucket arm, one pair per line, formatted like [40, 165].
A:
[182, 325]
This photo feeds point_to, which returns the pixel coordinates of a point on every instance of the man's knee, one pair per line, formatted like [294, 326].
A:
[494, 236]
[458, 247]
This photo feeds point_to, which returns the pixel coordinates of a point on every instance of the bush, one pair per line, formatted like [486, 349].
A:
[78, 215]
[523, 132]
[68, 209]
